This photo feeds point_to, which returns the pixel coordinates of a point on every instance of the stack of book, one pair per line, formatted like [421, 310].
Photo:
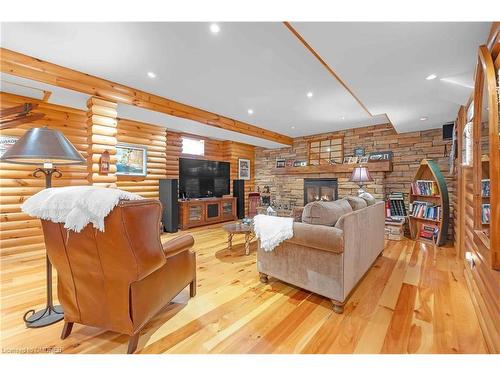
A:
[429, 232]
[425, 210]
[485, 213]
[397, 205]
[394, 229]
[485, 187]
[424, 187]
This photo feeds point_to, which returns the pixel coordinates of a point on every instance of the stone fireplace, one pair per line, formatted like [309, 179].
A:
[320, 189]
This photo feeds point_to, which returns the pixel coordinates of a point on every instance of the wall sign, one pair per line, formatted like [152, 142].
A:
[380, 156]
[6, 142]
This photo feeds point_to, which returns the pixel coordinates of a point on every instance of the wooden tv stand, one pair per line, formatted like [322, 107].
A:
[204, 211]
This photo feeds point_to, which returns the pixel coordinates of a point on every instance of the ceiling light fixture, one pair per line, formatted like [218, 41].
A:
[292, 127]
[310, 94]
[430, 77]
[250, 111]
[214, 28]
[342, 118]
[423, 118]
[151, 75]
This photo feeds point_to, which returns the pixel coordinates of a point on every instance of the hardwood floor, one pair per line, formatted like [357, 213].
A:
[411, 301]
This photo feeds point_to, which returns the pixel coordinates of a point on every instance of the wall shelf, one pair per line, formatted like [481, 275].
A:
[379, 166]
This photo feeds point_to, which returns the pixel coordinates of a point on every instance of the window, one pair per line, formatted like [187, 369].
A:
[193, 146]
[326, 151]
[467, 145]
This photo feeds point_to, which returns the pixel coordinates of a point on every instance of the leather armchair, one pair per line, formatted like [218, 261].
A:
[121, 278]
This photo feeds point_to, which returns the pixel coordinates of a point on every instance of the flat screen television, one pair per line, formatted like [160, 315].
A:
[203, 178]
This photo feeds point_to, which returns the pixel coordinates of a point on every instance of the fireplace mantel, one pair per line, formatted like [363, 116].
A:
[378, 166]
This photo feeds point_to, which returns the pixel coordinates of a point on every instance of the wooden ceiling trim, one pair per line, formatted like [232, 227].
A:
[29, 67]
[325, 64]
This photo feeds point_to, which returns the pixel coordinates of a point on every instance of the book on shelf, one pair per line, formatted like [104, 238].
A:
[485, 213]
[424, 187]
[425, 210]
[429, 232]
[485, 187]
[397, 206]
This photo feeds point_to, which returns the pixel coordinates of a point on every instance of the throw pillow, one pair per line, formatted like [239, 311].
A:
[357, 203]
[368, 198]
[325, 213]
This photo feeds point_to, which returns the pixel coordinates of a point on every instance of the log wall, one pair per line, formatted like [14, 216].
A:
[18, 231]
[154, 138]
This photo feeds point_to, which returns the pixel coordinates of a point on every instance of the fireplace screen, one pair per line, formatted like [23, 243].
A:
[320, 189]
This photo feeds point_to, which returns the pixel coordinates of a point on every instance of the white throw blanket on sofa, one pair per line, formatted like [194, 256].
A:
[272, 230]
[76, 206]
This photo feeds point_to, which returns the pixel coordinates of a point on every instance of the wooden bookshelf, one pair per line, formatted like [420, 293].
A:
[429, 171]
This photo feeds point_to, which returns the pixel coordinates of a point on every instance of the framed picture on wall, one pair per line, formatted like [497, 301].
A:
[280, 162]
[244, 169]
[131, 160]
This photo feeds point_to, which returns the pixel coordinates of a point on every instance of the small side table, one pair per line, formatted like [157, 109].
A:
[239, 228]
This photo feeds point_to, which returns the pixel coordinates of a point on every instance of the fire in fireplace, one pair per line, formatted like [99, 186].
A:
[320, 189]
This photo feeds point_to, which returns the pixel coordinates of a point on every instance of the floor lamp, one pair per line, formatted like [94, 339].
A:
[46, 148]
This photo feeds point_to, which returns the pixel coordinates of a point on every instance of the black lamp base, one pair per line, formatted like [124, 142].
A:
[45, 317]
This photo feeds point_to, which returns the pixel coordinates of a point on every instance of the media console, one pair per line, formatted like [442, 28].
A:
[204, 211]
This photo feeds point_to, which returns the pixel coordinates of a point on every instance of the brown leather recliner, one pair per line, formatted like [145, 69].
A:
[119, 279]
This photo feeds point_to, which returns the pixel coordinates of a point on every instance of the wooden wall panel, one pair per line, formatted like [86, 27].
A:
[174, 148]
[154, 138]
[18, 231]
[101, 137]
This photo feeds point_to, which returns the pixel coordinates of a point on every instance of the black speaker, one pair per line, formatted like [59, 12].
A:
[448, 131]
[169, 200]
[239, 193]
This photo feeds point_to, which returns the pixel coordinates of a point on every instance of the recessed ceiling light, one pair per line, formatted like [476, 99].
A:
[342, 118]
[292, 127]
[430, 76]
[250, 111]
[309, 94]
[151, 75]
[214, 28]
[423, 118]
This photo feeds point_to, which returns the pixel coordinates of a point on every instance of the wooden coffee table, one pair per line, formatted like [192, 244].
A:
[239, 228]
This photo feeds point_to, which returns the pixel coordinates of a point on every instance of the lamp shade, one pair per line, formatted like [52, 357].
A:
[360, 174]
[43, 145]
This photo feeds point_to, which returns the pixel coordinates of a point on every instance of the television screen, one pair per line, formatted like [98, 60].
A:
[203, 178]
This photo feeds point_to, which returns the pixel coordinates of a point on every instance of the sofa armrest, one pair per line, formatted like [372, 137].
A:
[320, 237]
[178, 245]
[363, 242]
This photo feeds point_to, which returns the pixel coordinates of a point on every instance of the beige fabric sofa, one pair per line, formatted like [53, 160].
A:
[325, 259]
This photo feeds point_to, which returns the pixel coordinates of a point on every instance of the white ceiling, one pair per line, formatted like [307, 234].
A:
[264, 67]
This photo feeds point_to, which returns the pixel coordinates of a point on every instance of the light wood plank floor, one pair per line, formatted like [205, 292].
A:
[411, 301]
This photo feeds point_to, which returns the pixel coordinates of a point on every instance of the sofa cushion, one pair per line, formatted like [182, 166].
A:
[318, 237]
[325, 213]
[356, 203]
[370, 200]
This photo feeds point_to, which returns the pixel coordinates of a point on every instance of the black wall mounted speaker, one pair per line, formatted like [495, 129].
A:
[448, 131]
[170, 203]
[239, 193]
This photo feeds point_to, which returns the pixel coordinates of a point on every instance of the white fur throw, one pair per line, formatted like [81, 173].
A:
[76, 206]
[272, 230]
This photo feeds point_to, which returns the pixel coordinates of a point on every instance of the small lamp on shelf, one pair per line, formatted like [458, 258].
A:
[360, 175]
[45, 148]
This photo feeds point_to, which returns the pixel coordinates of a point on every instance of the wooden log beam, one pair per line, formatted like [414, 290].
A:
[15, 63]
[20, 120]
[17, 110]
